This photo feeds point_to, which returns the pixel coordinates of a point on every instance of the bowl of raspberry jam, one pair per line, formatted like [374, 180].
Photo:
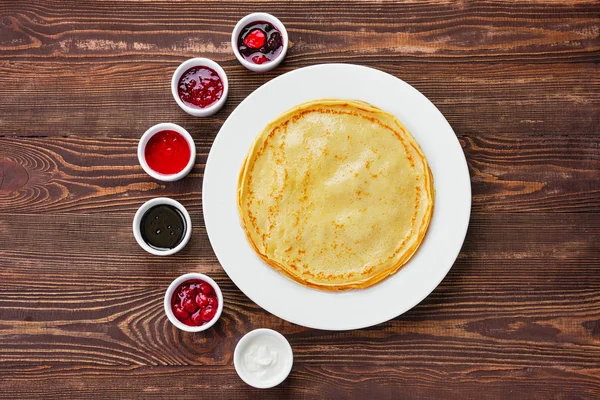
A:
[200, 87]
[166, 152]
[259, 42]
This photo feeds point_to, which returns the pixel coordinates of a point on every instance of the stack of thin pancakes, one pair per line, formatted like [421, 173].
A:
[335, 194]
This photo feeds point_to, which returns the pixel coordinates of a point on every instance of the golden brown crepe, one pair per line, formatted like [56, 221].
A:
[336, 194]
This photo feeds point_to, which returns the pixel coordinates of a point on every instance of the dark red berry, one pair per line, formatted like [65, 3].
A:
[189, 305]
[186, 292]
[202, 300]
[191, 289]
[197, 318]
[255, 39]
[194, 292]
[206, 288]
[208, 313]
[259, 59]
[212, 301]
[180, 312]
[274, 41]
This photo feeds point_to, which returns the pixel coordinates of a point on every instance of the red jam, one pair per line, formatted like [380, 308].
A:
[194, 302]
[200, 87]
[260, 42]
[167, 152]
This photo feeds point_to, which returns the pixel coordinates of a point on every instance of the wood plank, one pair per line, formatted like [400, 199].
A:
[60, 98]
[97, 300]
[103, 245]
[98, 175]
[385, 381]
[491, 31]
[73, 66]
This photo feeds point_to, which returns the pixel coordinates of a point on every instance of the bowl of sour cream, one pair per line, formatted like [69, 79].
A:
[263, 358]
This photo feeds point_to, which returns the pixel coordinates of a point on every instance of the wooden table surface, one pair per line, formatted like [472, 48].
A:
[517, 317]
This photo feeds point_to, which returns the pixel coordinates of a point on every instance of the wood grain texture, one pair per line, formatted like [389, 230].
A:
[517, 317]
[72, 98]
[503, 313]
[320, 382]
[42, 175]
[80, 60]
[316, 382]
[486, 29]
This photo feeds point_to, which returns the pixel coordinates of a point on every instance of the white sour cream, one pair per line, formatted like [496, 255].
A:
[265, 358]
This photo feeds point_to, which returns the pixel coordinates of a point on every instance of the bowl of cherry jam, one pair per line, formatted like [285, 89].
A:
[162, 226]
[193, 302]
[259, 42]
[200, 87]
[167, 152]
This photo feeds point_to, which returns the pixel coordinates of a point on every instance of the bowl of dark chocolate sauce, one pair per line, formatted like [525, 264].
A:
[162, 226]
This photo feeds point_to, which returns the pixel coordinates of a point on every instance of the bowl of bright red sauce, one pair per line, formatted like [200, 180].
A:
[193, 302]
[167, 152]
[200, 87]
[259, 41]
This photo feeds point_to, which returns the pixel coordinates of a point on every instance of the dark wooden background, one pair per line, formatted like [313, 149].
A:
[518, 316]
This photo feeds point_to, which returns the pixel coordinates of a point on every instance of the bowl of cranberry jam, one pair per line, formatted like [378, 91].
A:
[193, 302]
[259, 42]
[200, 87]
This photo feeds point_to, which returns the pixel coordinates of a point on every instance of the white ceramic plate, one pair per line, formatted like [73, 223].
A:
[356, 308]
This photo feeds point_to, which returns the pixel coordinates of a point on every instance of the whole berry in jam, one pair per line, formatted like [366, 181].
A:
[255, 39]
[261, 59]
[208, 313]
[212, 301]
[194, 302]
[197, 318]
[206, 288]
[275, 41]
[201, 300]
[180, 312]
[189, 305]
[188, 292]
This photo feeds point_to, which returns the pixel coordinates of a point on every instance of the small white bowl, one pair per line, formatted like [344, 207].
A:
[142, 149]
[242, 23]
[245, 375]
[199, 62]
[137, 220]
[169, 296]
